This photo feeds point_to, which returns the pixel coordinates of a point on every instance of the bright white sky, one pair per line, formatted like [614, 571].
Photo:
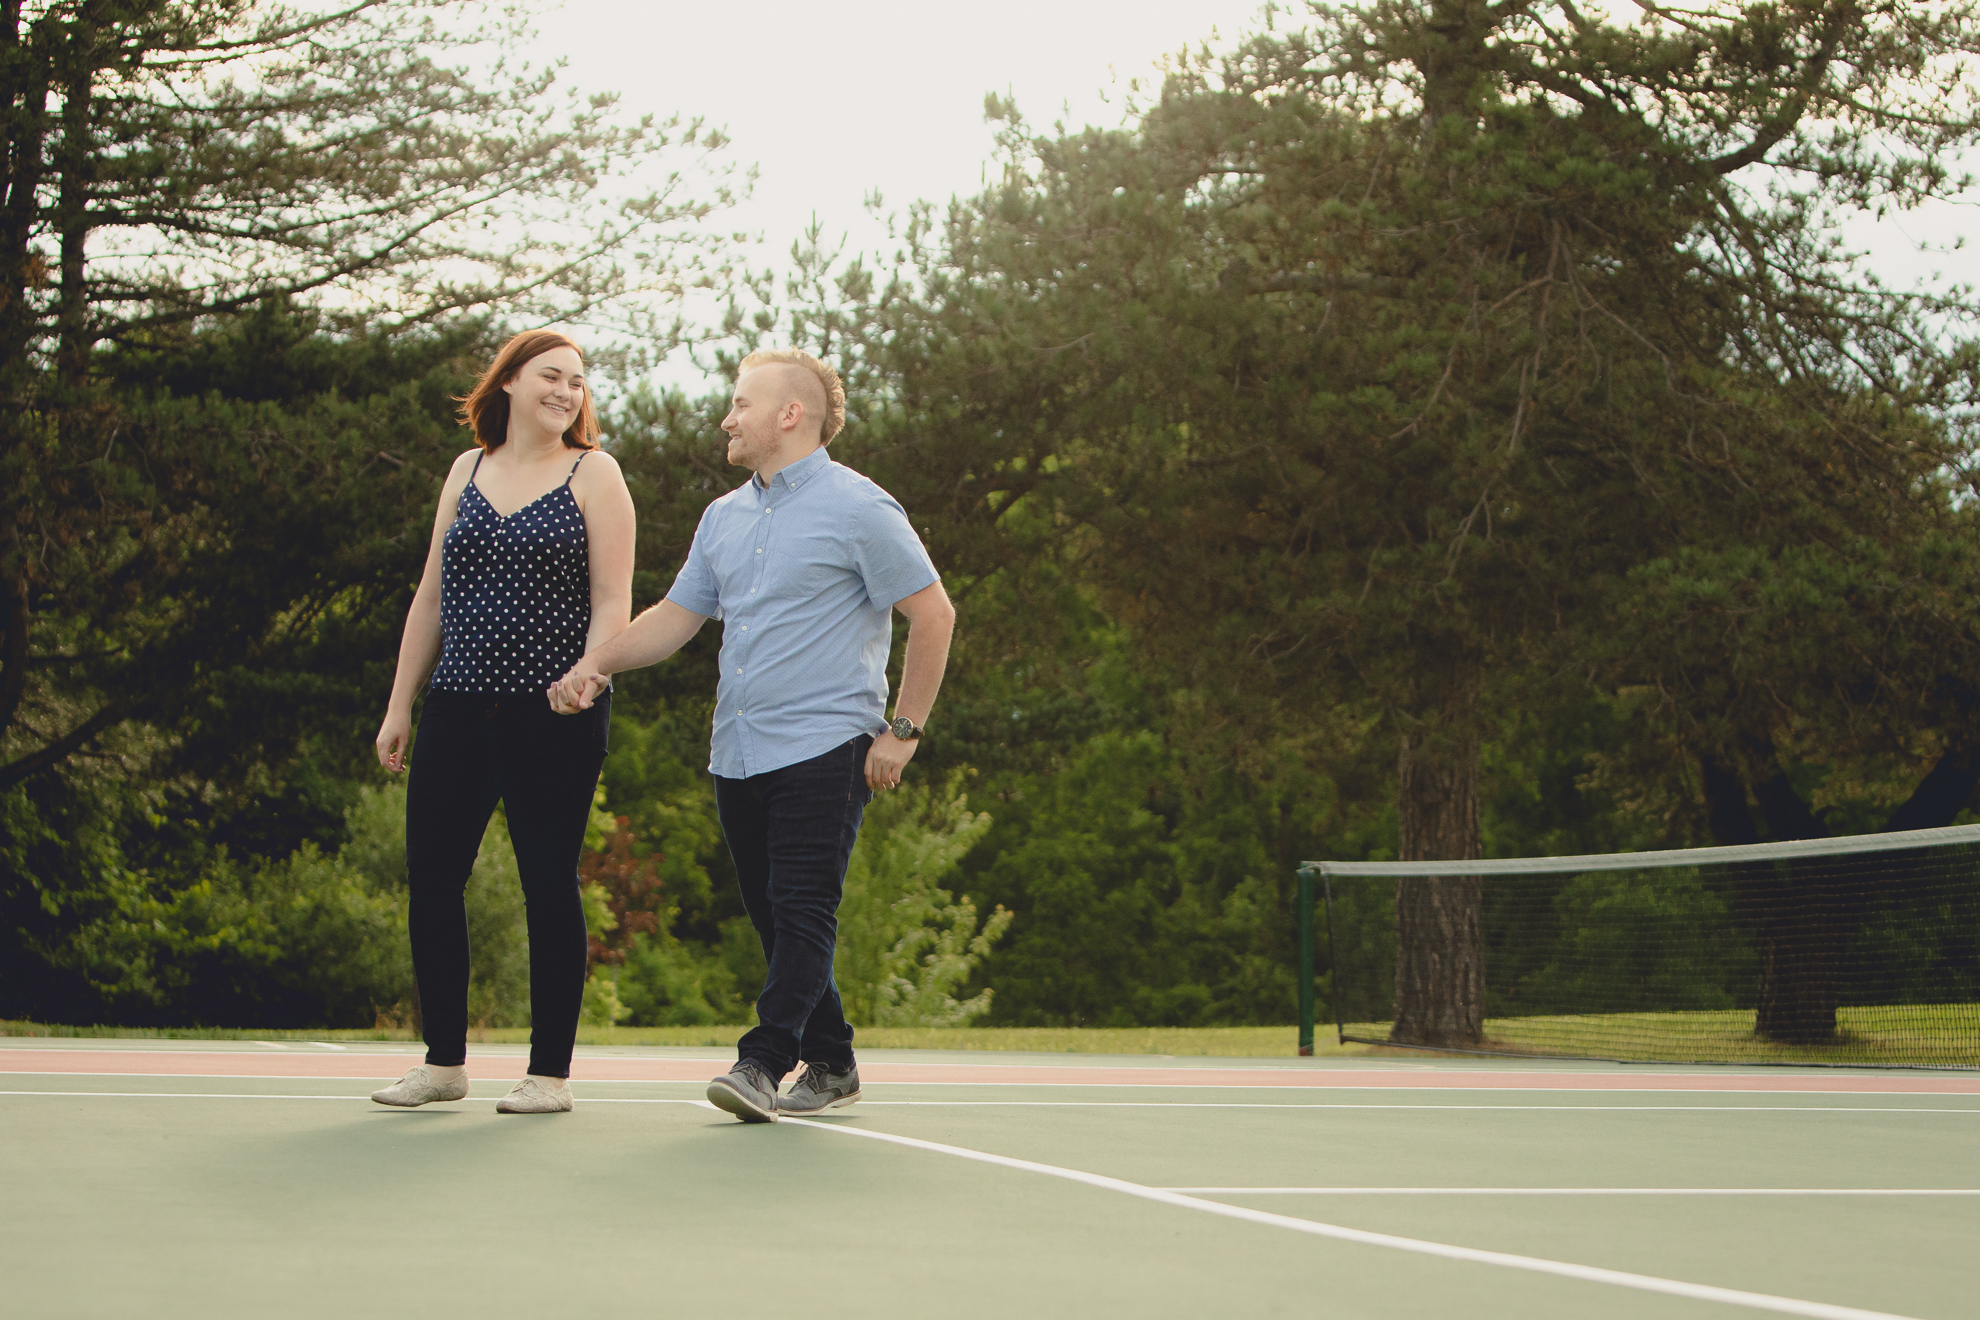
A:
[835, 101]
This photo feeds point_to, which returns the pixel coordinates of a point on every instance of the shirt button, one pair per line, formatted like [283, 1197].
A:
[739, 673]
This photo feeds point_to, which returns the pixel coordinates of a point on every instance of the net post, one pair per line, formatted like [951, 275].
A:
[1304, 908]
[1333, 961]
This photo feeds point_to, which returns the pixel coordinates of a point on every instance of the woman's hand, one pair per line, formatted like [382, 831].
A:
[576, 690]
[394, 738]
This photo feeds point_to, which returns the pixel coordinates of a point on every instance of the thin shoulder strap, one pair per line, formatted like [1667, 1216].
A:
[580, 459]
[477, 464]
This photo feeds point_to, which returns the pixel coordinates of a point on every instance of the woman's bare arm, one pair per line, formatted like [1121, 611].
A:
[610, 528]
[419, 647]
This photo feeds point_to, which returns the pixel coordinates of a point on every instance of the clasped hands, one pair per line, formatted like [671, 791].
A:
[886, 759]
[576, 690]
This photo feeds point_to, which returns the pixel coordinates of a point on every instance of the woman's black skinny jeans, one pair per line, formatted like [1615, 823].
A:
[471, 752]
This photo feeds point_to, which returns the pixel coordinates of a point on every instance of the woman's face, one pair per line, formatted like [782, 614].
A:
[546, 394]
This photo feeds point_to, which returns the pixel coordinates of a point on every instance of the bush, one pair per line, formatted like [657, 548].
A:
[905, 945]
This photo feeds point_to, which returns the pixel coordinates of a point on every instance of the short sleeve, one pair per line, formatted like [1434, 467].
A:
[889, 556]
[694, 586]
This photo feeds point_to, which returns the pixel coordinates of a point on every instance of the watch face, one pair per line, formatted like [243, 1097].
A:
[903, 727]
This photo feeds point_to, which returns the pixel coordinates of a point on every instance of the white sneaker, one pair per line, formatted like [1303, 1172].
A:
[421, 1086]
[536, 1095]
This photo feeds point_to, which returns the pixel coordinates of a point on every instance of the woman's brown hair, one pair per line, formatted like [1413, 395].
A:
[486, 406]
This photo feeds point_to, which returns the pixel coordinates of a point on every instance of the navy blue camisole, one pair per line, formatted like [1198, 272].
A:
[515, 593]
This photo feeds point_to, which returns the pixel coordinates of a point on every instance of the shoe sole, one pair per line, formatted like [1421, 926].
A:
[729, 1100]
[840, 1103]
[559, 1109]
[415, 1104]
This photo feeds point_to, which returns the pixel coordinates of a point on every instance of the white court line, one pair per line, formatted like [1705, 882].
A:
[269, 1095]
[384, 1050]
[994, 1104]
[1533, 1264]
[1103, 1086]
[1295, 1104]
[1574, 1191]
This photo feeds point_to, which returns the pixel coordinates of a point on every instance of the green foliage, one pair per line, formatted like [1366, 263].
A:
[312, 938]
[667, 982]
[1660, 941]
[1431, 367]
[1146, 891]
[905, 944]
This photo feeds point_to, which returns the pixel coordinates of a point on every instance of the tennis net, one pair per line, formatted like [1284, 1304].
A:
[1854, 951]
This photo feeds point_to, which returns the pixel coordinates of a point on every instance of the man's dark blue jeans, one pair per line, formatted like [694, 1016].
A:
[791, 833]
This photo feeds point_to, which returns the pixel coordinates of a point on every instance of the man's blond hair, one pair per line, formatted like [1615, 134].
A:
[828, 380]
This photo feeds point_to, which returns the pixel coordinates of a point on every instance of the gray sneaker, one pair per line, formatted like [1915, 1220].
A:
[818, 1089]
[748, 1091]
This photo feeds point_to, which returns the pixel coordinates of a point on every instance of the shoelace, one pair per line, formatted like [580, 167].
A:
[816, 1076]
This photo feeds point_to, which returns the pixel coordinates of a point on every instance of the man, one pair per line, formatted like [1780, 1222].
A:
[804, 564]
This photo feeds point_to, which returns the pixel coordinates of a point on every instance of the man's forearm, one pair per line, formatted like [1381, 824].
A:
[647, 640]
[923, 665]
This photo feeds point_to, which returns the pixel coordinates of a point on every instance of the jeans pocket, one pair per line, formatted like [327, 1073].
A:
[601, 712]
[862, 791]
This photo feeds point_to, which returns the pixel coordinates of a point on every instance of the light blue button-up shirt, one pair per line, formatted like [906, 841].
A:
[803, 573]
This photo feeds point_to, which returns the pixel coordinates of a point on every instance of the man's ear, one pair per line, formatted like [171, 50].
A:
[792, 417]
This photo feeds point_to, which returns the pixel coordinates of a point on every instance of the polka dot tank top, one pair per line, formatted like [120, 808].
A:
[515, 593]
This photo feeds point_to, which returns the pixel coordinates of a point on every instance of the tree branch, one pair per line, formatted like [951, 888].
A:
[1780, 126]
[53, 752]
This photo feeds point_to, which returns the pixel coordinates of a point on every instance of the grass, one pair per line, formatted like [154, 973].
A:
[1941, 1035]
[1212, 1042]
[1933, 1035]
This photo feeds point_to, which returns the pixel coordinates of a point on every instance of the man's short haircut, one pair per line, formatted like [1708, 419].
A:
[828, 380]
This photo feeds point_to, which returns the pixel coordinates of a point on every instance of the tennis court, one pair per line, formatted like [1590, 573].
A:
[220, 1179]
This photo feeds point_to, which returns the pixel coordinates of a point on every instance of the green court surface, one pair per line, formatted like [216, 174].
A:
[220, 1179]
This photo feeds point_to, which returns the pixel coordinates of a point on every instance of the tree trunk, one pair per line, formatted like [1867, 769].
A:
[1802, 943]
[14, 622]
[1440, 939]
[1801, 917]
[75, 161]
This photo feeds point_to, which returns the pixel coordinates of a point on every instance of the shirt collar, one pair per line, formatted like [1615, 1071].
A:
[794, 476]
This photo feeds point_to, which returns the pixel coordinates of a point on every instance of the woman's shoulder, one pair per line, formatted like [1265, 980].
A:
[596, 470]
[597, 460]
[463, 464]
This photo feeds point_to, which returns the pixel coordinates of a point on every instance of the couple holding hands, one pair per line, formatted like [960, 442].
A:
[522, 616]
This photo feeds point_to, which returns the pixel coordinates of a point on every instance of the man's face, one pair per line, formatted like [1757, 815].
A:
[752, 423]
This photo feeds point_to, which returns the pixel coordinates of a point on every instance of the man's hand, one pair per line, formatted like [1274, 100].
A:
[887, 758]
[576, 690]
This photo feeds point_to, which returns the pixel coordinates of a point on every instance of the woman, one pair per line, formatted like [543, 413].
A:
[530, 566]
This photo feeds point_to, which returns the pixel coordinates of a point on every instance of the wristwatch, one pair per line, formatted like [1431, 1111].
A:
[904, 728]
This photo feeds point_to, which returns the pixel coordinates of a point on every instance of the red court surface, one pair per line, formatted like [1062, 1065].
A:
[355, 1064]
